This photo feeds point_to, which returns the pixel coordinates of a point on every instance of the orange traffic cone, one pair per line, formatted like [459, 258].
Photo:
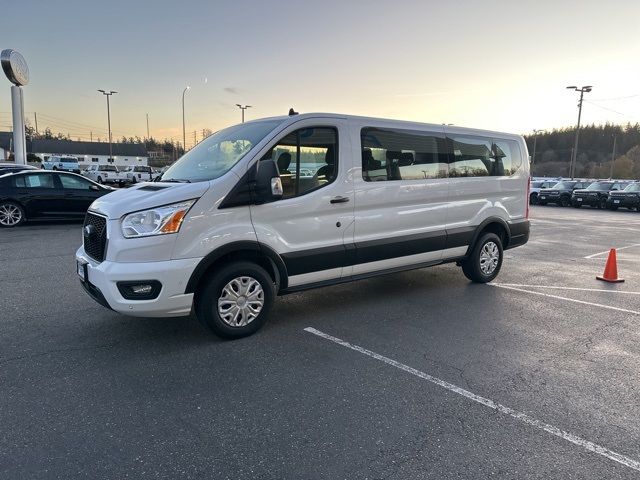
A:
[611, 269]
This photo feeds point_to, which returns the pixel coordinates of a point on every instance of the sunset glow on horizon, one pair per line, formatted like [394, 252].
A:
[494, 65]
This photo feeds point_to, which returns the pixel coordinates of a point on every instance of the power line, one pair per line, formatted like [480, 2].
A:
[609, 109]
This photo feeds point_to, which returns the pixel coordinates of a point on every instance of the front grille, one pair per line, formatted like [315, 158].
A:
[95, 236]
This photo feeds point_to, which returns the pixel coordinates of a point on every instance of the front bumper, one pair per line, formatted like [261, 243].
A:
[586, 200]
[624, 202]
[102, 278]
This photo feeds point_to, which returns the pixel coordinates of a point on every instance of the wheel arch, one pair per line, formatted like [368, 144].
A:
[255, 252]
[491, 225]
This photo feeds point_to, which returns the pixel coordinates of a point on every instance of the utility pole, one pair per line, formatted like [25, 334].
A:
[574, 155]
[535, 142]
[243, 108]
[108, 94]
[184, 134]
[35, 116]
[148, 126]
[613, 156]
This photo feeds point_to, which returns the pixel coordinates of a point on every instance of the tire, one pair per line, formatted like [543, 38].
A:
[55, 168]
[134, 180]
[42, 167]
[11, 214]
[213, 296]
[99, 180]
[533, 199]
[473, 267]
[564, 202]
[602, 204]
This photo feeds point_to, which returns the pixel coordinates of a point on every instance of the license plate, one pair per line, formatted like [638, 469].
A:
[616, 201]
[542, 197]
[579, 199]
[81, 269]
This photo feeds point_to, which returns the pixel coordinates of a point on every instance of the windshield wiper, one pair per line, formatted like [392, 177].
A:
[175, 180]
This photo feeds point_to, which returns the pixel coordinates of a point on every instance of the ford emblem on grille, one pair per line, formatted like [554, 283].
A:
[89, 231]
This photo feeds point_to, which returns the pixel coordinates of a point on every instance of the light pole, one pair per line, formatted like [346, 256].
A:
[184, 134]
[613, 157]
[108, 94]
[243, 108]
[574, 154]
[535, 143]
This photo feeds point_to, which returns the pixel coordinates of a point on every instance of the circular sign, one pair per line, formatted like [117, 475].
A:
[15, 67]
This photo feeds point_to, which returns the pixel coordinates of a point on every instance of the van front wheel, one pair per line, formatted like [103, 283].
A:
[235, 301]
[485, 260]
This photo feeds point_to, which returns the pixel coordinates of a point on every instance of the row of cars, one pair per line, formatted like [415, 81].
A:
[102, 173]
[611, 194]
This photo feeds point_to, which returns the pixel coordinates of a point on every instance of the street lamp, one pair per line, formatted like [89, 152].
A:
[574, 154]
[108, 94]
[535, 143]
[184, 132]
[243, 109]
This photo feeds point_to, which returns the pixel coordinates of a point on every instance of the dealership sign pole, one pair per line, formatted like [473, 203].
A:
[16, 69]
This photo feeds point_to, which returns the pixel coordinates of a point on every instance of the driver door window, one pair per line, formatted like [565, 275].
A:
[307, 159]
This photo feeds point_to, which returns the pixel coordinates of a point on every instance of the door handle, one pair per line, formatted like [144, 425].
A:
[339, 200]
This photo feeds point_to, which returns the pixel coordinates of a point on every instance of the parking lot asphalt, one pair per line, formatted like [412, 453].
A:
[88, 393]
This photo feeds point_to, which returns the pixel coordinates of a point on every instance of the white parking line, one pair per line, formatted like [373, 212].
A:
[607, 251]
[523, 417]
[609, 307]
[555, 287]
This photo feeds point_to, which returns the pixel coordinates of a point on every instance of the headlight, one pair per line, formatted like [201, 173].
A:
[156, 221]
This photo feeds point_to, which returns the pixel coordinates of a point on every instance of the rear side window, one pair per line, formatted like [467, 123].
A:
[472, 157]
[307, 159]
[483, 157]
[390, 154]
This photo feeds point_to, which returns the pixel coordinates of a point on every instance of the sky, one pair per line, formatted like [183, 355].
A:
[491, 64]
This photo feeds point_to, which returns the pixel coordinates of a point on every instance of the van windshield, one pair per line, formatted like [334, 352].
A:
[216, 155]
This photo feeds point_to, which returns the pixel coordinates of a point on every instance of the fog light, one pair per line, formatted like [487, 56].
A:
[140, 290]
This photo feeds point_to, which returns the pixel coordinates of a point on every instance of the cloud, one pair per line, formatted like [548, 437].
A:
[426, 94]
[231, 90]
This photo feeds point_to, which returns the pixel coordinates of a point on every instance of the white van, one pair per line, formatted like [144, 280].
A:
[284, 204]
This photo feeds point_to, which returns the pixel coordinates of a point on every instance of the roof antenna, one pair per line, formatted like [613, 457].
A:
[292, 112]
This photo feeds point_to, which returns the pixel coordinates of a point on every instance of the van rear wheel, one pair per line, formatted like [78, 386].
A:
[235, 301]
[485, 260]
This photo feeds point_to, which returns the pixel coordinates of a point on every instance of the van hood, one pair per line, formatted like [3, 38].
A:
[146, 195]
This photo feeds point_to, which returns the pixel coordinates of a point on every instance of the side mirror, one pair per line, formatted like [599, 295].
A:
[267, 183]
[95, 188]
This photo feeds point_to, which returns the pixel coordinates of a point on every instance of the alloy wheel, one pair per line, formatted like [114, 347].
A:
[10, 214]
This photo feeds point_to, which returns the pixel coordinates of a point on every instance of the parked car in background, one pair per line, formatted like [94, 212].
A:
[104, 174]
[627, 198]
[138, 173]
[9, 167]
[30, 195]
[66, 163]
[536, 186]
[560, 193]
[596, 194]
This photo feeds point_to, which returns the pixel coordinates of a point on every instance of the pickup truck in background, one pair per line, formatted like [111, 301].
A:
[105, 174]
[138, 173]
[66, 163]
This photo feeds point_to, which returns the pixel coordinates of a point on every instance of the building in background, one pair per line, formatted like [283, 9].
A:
[88, 153]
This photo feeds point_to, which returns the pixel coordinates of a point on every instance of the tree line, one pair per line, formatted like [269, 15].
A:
[553, 150]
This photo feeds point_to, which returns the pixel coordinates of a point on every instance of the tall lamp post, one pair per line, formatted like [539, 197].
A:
[243, 108]
[184, 132]
[108, 94]
[574, 154]
[535, 144]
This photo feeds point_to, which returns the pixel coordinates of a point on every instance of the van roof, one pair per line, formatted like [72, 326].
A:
[374, 121]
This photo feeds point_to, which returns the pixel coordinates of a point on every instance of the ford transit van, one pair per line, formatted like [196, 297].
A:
[284, 204]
